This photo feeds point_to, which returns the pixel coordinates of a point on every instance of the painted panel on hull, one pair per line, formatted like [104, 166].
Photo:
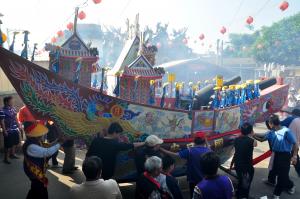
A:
[165, 124]
[203, 121]
[258, 110]
[227, 119]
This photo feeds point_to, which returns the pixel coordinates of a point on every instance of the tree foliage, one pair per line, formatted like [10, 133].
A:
[278, 43]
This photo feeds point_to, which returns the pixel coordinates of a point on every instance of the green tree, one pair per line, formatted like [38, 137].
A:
[240, 45]
[279, 43]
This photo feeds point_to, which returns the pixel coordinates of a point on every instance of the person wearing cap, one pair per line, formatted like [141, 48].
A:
[224, 93]
[108, 147]
[35, 159]
[193, 156]
[217, 98]
[151, 148]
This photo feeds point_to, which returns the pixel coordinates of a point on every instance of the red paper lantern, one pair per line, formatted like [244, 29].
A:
[60, 33]
[53, 40]
[97, 1]
[249, 20]
[201, 36]
[81, 15]
[284, 5]
[185, 41]
[70, 26]
[158, 44]
[223, 30]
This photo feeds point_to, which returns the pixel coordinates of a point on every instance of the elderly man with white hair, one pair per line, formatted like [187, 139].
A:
[152, 184]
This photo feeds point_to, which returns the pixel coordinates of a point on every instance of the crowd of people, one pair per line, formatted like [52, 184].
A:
[154, 164]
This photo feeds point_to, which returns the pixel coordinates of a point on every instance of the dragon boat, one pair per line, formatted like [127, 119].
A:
[83, 112]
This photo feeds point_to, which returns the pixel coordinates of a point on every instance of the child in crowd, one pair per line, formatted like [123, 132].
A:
[242, 160]
[213, 186]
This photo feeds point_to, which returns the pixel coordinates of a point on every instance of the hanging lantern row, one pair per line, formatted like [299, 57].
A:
[81, 15]
[223, 30]
[201, 36]
[249, 20]
[185, 41]
[60, 33]
[284, 5]
[53, 40]
[97, 1]
[70, 26]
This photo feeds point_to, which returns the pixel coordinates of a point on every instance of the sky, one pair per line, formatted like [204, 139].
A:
[43, 18]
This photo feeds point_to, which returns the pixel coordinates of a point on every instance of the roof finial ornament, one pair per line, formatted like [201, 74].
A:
[127, 28]
[137, 25]
[75, 20]
[141, 47]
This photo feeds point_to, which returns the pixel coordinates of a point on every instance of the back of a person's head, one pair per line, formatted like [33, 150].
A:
[92, 167]
[152, 163]
[199, 141]
[167, 162]
[6, 100]
[296, 112]
[115, 128]
[246, 128]
[210, 163]
[274, 119]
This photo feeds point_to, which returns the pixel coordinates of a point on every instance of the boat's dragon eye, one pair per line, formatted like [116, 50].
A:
[266, 106]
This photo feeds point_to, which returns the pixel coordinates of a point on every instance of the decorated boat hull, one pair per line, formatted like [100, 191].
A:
[82, 112]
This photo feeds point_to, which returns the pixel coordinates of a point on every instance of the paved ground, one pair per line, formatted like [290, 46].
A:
[14, 184]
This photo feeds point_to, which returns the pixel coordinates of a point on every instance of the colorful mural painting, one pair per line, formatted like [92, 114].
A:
[227, 119]
[258, 110]
[203, 121]
[163, 123]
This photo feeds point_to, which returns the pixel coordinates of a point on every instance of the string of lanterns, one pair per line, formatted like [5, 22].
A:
[249, 21]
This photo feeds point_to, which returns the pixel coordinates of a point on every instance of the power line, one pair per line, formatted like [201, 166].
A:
[236, 13]
[259, 11]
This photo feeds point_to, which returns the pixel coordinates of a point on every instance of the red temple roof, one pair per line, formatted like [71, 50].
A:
[141, 67]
